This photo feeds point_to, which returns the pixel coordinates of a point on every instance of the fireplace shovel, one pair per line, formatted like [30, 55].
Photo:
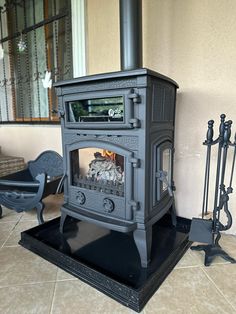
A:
[201, 230]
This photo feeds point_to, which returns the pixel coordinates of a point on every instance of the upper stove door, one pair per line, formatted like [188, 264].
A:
[102, 110]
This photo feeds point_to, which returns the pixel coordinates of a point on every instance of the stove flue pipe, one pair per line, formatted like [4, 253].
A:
[131, 34]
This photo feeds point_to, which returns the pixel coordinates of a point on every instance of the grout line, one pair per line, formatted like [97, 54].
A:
[11, 232]
[13, 245]
[218, 289]
[53, 298]
[8, 221]
[54, 292]
[27, 284]
[69, 279]
[190, 266]
[22, 219]
[15, 214]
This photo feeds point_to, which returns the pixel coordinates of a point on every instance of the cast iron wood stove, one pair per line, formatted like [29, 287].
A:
[118, 138]
[118, 134]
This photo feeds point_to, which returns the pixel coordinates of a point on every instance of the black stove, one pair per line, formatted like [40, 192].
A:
[118, 143]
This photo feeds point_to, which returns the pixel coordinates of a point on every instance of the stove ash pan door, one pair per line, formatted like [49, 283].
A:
[101, 179]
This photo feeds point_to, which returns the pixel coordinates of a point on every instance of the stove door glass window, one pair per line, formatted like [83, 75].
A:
[166, 169]
[98, 169]
[162, 174]
[109, 109]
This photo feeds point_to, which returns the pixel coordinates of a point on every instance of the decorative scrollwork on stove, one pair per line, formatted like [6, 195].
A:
[115, 84]
[108, 205]
[130, 142]
[80, 198]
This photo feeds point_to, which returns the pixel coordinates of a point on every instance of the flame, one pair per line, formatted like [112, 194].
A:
[109, 154]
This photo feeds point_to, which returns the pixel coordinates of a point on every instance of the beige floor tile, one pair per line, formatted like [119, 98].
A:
[77, 297]
[20, 227]
[189, 260]
[5, 231]
[52, 208]
[27, 299]
[9, 215]
[19, 266]
[224, 276]
[185, 291]
[228, 243]
[63, 275]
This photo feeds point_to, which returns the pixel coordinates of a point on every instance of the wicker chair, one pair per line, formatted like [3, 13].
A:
[25, 190]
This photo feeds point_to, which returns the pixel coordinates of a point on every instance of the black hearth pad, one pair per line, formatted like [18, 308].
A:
[108, 260]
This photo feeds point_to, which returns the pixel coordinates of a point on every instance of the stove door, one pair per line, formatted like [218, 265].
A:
[163, 156]
[102, 110]
[101, 178]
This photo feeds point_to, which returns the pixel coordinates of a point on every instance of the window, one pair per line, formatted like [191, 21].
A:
[35, 50]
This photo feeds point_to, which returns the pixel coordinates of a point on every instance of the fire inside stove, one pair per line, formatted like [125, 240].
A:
[98, 169]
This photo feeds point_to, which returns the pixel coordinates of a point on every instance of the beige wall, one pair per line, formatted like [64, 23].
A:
[103, 42]
[29, 141]
[193, 42]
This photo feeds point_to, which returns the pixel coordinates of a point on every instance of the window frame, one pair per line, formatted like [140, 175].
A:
[78, 43]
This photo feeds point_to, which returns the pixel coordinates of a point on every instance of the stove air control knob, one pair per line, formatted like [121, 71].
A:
[108, 205]
[80, 198]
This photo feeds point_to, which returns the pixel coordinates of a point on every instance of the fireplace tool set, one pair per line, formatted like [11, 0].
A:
[208, 230]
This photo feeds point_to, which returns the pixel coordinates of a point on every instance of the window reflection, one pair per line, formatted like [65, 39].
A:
[97, 110]
[166, 168]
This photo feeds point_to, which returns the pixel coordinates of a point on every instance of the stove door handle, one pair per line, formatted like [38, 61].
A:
[135, 98]
[135, 205]
[135, 122]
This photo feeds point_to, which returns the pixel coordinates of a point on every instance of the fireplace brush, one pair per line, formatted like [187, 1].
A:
[208, 230]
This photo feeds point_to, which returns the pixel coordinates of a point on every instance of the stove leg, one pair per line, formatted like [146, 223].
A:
[40, 207]
[143, 241]
[62, 221]
[173, 214]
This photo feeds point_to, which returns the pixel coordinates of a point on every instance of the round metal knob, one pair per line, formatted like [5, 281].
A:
[80, 198]
[108, 205]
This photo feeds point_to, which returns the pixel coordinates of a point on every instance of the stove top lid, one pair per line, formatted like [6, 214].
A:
[114, 75]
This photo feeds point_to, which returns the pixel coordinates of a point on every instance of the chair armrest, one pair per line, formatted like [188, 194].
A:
[23, 175]
[39, 182]
[25, 184]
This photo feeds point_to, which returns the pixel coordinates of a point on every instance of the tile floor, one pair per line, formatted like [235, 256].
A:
[29, 284]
